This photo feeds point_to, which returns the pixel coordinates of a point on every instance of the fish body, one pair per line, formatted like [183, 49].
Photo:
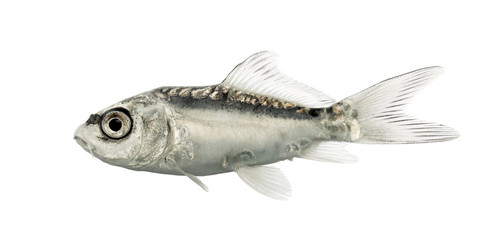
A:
[255, 117]
[232, 129]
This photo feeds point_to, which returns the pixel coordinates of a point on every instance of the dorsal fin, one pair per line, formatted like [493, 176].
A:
[259, 75]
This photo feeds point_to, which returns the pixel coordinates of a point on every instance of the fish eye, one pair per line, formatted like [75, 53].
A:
[116, 123]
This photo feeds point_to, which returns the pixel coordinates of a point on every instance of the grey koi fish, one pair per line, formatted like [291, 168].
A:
[255, 117]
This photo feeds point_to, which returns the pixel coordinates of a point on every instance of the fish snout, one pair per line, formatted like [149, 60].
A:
[78, 136]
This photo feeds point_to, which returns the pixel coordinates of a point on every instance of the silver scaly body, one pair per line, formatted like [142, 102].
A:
[226, 133]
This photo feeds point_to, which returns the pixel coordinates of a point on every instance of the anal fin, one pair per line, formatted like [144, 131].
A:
[267, 180]
[329, 152]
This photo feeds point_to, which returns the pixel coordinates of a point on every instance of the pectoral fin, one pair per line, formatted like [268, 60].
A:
[172, 164]
[267, 180]
[195, 179]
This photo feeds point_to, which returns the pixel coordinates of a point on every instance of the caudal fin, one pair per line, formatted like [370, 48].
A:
[380, 113]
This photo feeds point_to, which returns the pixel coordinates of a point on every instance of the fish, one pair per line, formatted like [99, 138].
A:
[256, 117]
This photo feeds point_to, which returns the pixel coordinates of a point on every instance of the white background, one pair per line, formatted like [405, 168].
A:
[60, 61]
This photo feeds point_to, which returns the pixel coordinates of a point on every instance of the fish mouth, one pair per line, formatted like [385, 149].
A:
[85, 145]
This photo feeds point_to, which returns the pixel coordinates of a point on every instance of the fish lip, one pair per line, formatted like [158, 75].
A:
[79, 139]
[85, 145]
[82, 143]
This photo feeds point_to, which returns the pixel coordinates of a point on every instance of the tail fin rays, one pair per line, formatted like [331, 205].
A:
[381, 116]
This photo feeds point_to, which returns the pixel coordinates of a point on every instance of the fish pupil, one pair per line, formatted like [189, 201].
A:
[115, 124]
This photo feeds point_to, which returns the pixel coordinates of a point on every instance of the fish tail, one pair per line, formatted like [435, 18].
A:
[376, 115]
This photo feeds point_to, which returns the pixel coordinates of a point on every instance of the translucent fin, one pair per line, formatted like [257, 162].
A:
[196, 180]
[172, 164]
[267, 180]
[329, 152]
[259, 75]
[381, 116]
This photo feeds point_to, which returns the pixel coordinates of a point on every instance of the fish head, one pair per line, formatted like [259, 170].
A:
[131, 133]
